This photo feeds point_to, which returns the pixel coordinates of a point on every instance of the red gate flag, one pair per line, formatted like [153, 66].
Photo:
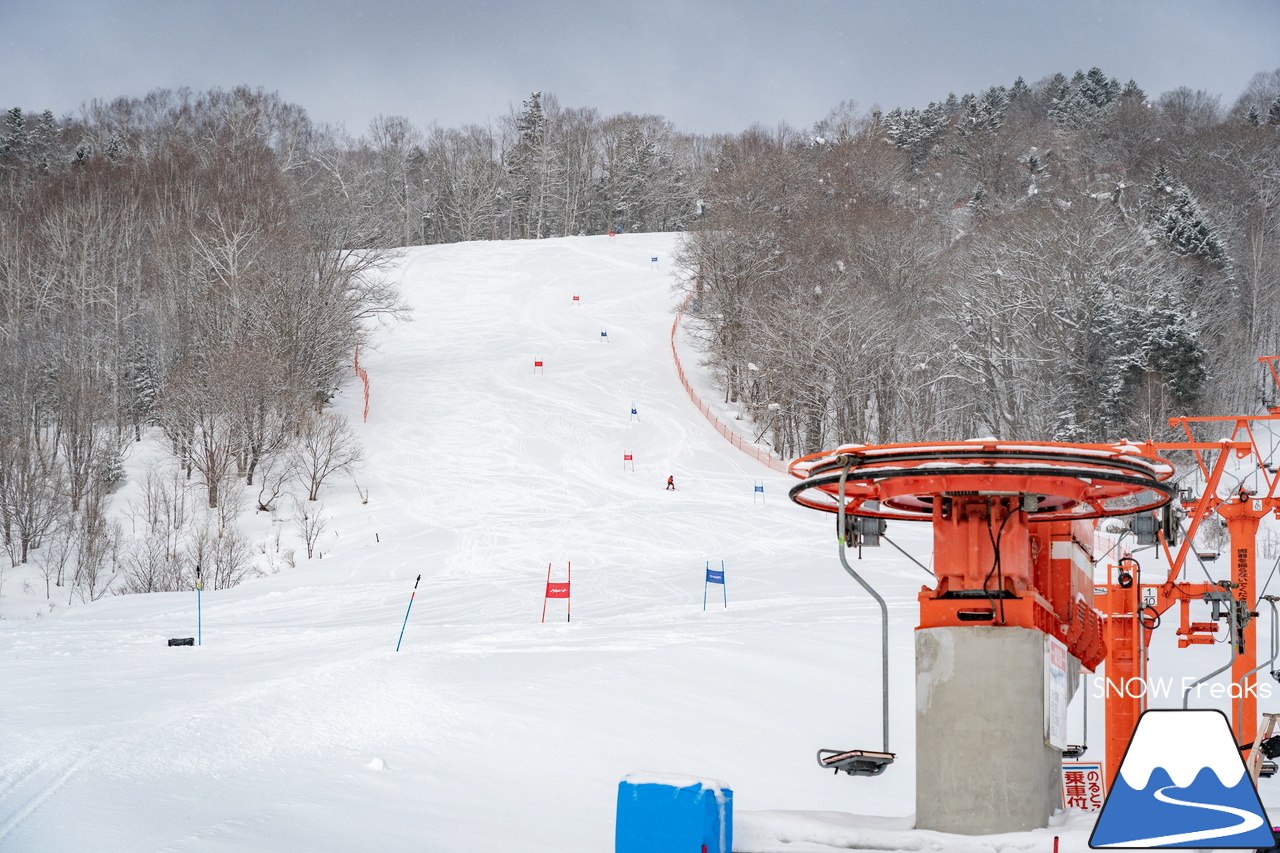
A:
[559, 590]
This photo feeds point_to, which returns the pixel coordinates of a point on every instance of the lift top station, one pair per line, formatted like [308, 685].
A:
[1015, 612]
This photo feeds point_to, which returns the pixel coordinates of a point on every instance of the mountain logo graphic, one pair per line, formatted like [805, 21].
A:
[1182, 783]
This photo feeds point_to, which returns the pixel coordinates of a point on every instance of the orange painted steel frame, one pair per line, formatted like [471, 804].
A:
[1129, 619]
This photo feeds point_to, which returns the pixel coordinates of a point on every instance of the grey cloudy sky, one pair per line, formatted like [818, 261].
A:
[708, 65]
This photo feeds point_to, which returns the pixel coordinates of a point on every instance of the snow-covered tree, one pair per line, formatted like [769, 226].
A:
[1182, 225]
[1084, 99]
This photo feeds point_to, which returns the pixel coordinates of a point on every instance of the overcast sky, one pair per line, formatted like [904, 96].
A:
[708, 65]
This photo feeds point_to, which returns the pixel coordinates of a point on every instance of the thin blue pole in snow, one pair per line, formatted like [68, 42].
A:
[199, 584]
[406, 613]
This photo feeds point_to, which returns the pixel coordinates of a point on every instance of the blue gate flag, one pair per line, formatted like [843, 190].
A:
[715, 576]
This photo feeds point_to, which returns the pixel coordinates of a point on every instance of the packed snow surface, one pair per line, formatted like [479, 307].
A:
[296, 726]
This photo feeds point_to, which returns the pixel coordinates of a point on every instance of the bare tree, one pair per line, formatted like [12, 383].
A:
[309, 523]
[326, 446]
[196, 415]
[54, 555]
[31, 494]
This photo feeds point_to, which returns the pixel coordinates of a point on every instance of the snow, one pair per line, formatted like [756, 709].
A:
[674, 780]
[296, 726]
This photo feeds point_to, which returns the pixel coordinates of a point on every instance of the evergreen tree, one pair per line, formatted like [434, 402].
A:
[15, 141]
[144, 384]
[1098, 89]
[1133, 91]
[1122, 362]
[892, 124]
[44, 141]
[918, 131]
[1273, 113]
[1185, 229]
[1085, 98]
[1254, 117]
[1171, 348]
[526, 167]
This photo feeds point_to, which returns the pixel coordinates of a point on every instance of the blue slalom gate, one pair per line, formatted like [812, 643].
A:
[714, 576]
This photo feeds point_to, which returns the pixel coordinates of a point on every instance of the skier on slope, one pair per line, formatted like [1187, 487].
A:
[671, 483]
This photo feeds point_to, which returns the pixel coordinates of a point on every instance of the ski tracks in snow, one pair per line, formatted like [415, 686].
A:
[27, 783]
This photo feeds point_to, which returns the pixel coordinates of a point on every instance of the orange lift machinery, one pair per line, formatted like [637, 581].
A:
[1013, 526]
[1133, 608]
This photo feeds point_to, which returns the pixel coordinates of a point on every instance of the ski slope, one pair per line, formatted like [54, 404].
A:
[296, 726]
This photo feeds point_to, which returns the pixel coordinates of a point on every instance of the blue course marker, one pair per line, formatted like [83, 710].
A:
[714, 576]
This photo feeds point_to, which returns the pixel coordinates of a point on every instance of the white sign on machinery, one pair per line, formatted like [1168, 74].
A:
[1055, 693]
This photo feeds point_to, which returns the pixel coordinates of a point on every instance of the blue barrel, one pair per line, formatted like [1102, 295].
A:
[664, 813]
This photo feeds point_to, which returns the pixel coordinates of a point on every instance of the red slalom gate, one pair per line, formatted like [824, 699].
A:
[537, 367]
[559, 590]
[627, 459]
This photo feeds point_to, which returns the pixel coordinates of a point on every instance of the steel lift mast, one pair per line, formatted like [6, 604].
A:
[1133, 610]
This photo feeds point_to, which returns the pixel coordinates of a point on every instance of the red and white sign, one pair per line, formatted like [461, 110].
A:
[1082, 785]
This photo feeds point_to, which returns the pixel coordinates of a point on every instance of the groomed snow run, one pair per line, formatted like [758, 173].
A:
[296, 726]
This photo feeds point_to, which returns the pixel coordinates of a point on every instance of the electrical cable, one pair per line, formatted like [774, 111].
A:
[995, 565]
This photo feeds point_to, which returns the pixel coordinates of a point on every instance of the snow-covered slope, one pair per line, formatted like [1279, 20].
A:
[297, 726]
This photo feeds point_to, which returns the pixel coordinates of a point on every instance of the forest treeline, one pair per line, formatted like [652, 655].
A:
[1069, 259]
[184, 263]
